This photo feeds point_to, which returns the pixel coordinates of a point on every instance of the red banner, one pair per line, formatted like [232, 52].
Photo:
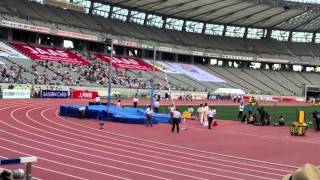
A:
[78, 94]
[124, 62]
[50, 54]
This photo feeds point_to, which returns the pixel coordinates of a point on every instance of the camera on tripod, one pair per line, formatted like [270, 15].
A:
[17, 174]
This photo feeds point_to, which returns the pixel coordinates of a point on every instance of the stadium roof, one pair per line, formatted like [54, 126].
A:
[276, 14]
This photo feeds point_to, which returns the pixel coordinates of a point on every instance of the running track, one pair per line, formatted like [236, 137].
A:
[76, 149]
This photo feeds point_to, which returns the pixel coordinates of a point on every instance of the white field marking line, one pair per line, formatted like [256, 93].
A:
[113, 167]
[286, 171]
[33, 177]
[150, 145]
[258, 136]
[141, 149]
[132, 164]
[196, 150]
[65, 156]
[146, 144]
[39, 142]
[126, 151]
[142, 160]
[35, 166]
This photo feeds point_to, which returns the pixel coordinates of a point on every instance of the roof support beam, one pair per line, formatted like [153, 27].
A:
[229, 14]
[250, 15]
[212, 11]
[194, 8]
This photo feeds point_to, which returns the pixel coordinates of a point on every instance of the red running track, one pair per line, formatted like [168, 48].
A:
[69, 148]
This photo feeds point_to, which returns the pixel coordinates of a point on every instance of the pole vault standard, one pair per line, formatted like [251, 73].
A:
[152, 80]
[110, 75]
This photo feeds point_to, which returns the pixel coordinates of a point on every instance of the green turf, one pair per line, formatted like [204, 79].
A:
[231, 112]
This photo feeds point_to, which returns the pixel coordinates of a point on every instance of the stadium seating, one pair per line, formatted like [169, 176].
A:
[69, 19]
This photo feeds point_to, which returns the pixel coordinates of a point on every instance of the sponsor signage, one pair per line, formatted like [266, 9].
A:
[195, 72]
[213, 55]
[125, 43]
[272, 60]
[234, 57]
[126, 62]
[147, 46]
[24, 26]
[78, 94]
[7, 51]
[197, 53]
[302, 62]
[165, 49]
[50, 54]
[54, 94]
[77, 35]
[16, 94]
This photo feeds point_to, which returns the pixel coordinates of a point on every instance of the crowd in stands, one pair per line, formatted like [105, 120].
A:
[12, 74]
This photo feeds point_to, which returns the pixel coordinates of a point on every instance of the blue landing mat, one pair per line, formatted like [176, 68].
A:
[124, 115]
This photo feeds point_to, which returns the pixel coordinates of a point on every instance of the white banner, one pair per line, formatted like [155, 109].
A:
[162, 67]
[195, 72]
[77, 35]
[272, 60]
[23, 26]
[7, 51]
[16, 94]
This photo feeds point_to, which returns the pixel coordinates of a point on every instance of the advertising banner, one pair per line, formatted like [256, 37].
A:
[77, 35]
[162, 66]
[79, 94]
[50, 54]
[124, 62]
[272, 60]
[7, 51]
[24, 26]
[195, 72]
[54, 94]
[16, 94]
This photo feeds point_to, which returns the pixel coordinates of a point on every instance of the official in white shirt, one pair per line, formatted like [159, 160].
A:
[241, 108]
[135, 102]
[156, 106]
[205, 114]
[98, 100]
[176, 119]
[119, 104]
[211, 115]
[148, 113]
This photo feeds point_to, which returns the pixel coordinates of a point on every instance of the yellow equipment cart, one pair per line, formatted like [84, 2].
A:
[299, 128]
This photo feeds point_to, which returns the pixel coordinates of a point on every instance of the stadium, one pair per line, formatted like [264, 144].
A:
[98, 89]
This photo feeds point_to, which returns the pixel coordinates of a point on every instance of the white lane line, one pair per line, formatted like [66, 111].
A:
[145, 145]
[141, 154]
[135, 172]
[45, 169]
[57, 154]
[167, 165]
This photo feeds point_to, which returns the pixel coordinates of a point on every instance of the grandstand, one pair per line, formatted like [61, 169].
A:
[254, 61]
[244, 43]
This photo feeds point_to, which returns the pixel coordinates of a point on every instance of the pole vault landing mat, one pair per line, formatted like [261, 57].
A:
[112, 113]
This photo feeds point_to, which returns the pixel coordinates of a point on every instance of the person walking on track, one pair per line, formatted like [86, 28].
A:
[211, 116]
[135, 101]
[176, 120]
[148, 113]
